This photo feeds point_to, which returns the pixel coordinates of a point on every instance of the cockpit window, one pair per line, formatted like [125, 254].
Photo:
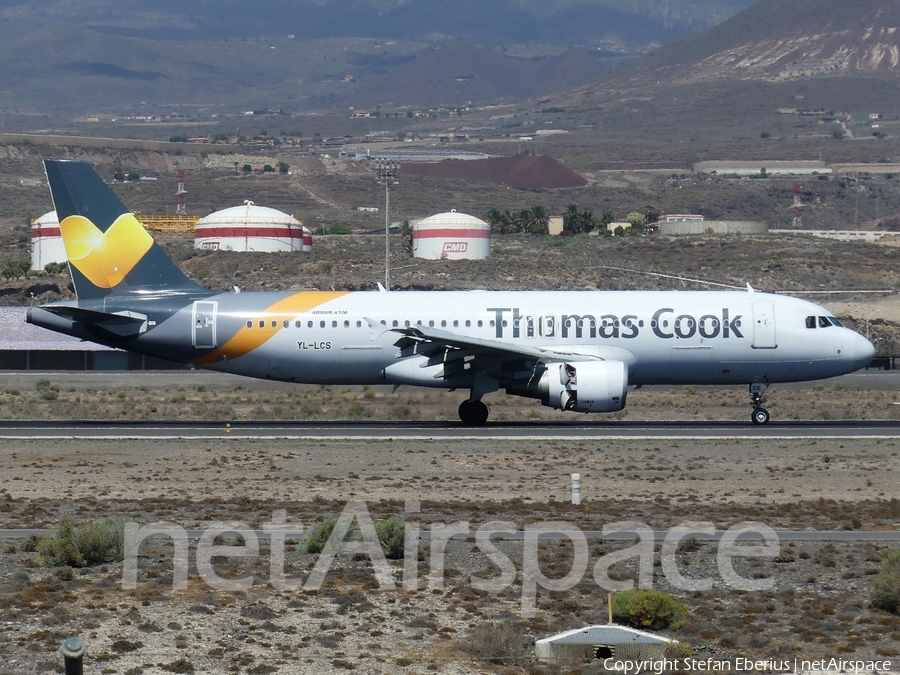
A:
[824, 322]
[810, 322]
[835, 322]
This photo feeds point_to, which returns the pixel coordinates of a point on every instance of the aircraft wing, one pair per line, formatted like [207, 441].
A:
[431, 341]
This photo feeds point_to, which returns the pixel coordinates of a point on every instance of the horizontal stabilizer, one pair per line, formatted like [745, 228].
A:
[120, 324]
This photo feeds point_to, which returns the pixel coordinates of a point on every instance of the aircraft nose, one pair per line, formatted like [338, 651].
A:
[864, 351]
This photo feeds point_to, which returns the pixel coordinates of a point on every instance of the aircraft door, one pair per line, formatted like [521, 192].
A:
[203, 329]
[764, 326]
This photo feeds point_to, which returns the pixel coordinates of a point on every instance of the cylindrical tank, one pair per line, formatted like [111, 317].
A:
[307, 239]
[46, 242]
[451, 236]
[249, 228]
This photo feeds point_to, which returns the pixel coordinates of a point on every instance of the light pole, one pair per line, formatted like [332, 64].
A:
[387, 170]
[867, 322]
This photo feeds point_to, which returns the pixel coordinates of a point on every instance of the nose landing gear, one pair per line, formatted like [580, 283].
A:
[757, 392]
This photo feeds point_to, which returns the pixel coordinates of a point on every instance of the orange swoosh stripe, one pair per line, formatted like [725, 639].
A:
[105, 258]
[248, 339]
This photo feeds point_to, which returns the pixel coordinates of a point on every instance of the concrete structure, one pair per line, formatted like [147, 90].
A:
[251, 228]
[713, 227]
[555, 225]
[451, 236]
[680, 218]
[774, 167]
[46, 242]
[868, 236]
[611, 227]
[601, 642]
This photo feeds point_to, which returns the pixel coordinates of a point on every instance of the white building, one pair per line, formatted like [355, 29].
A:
[251, 228]
[452, 236]
[46, 242]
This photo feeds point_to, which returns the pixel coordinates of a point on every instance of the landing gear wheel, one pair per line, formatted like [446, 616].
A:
[473, 413]
[760, 416]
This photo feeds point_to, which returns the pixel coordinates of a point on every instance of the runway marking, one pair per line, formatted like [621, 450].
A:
[444, 437]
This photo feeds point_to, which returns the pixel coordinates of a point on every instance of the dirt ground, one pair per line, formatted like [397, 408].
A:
[818, 606]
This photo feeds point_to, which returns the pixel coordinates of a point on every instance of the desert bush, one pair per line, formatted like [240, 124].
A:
[498, 643]
[316, 536]
[678, 650]
[392, 534]
[649, 609]
[885, 593]
[73, 545]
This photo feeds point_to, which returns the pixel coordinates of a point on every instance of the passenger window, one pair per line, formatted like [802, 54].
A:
[824, 322]
[298, 323]
[334, 324]
[262, 324]
[431, 324]
[810, 322]
[359, 324]
[286, 323]
[274, 323]
[468, 323]
[455, 323]
[346, 324]
[321, 324]
[395, 323]
[481, 323]
[443, 324]
[406, 323]
[309, 324]
[249, 323]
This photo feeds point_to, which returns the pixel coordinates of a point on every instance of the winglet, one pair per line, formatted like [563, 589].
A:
[381, 288]
[750, 288]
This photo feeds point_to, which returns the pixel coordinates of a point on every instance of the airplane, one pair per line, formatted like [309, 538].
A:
[576, 351]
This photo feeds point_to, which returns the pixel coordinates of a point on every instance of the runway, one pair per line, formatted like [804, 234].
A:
[523, 431]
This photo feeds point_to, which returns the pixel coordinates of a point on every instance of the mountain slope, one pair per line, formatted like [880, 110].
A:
[774, 40]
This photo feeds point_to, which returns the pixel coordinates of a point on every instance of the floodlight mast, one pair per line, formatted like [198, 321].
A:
[387, 170]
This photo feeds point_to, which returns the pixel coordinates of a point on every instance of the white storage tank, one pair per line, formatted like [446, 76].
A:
[452, 236]
[46, 242]
[307, 239]
[250, 228]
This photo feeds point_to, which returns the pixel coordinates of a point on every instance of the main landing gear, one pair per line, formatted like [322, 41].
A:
[757, 391]
[473, 413]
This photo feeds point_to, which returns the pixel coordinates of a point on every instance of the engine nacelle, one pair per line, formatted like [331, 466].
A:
[584, 386]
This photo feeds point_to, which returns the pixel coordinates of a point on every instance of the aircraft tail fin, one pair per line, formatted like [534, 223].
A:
[108, 249]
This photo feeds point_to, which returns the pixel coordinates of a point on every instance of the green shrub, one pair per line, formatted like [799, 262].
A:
[648, 609]
[73, 545]
[392, 535]
[499, 643]
[885, 592]
[315, 538]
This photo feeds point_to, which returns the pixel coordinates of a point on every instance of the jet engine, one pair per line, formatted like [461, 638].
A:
[583, 386]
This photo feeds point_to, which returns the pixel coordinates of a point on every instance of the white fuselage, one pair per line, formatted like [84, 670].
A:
[666, 337]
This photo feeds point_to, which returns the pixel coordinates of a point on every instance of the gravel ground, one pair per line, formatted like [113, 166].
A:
[348, 624]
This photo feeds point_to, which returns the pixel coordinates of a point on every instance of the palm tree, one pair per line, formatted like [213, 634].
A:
[570, 219]
[540, 220]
